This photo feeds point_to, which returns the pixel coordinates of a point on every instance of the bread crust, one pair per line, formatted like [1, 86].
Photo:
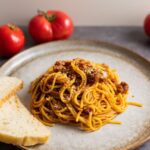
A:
[13, 92]
[23, 141]
[20, 141]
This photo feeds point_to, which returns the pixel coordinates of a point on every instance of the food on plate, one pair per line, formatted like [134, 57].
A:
[8, 87]
[50, 25]
[17, 125]
[147, 25]
[12, 40]
[79, 92]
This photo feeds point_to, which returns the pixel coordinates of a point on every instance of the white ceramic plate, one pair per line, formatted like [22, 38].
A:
[132, 68]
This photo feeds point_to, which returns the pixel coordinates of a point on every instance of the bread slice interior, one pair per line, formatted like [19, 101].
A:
[18, 126]
[8, 87]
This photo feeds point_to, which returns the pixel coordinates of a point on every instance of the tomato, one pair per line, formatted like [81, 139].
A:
[62, 24]
[12, 40]
[52, 25]
[147, 25]
[40, 29]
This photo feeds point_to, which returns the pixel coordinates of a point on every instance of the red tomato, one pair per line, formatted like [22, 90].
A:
[52, 25]
[147, 25]
[12, 40]
[40, 29]
[62, 24]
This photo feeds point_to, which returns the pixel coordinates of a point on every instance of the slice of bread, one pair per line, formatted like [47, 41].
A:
[18, 126]
[8, 87]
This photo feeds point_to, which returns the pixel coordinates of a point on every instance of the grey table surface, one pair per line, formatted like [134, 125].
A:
[129, 37]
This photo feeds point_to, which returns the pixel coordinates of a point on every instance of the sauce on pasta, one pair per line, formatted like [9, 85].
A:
[81, 93]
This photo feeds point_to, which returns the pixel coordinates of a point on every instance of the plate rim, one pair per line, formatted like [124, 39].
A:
[28, 50]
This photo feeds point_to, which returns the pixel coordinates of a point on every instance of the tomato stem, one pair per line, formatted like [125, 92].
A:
[12, 26]
[50, 18]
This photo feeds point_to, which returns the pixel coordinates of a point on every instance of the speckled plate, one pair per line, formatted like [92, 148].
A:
[131, 67]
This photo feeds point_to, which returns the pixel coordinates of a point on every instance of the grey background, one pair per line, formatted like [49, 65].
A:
[129, 37]
[83, 12]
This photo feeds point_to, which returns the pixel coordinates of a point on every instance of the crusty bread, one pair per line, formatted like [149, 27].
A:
[18, 126]
[8, 87]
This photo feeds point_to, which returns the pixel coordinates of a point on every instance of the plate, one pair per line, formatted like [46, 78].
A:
[131, 67]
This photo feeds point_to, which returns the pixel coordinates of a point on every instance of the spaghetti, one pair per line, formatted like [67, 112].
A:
[79, 92]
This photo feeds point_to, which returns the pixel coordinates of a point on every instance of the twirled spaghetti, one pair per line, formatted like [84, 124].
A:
[79, 92]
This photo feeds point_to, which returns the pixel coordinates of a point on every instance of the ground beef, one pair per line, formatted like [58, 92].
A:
[60, 66]
[87, 110]
[92, 73]
[122, 88]
[85, 66]
[89, 70]
[92, 77]
[64, 67]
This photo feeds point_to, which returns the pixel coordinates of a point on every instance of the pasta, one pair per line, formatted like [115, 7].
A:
[80, 93]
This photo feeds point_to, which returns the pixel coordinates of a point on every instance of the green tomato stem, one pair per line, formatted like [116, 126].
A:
[50, 18]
